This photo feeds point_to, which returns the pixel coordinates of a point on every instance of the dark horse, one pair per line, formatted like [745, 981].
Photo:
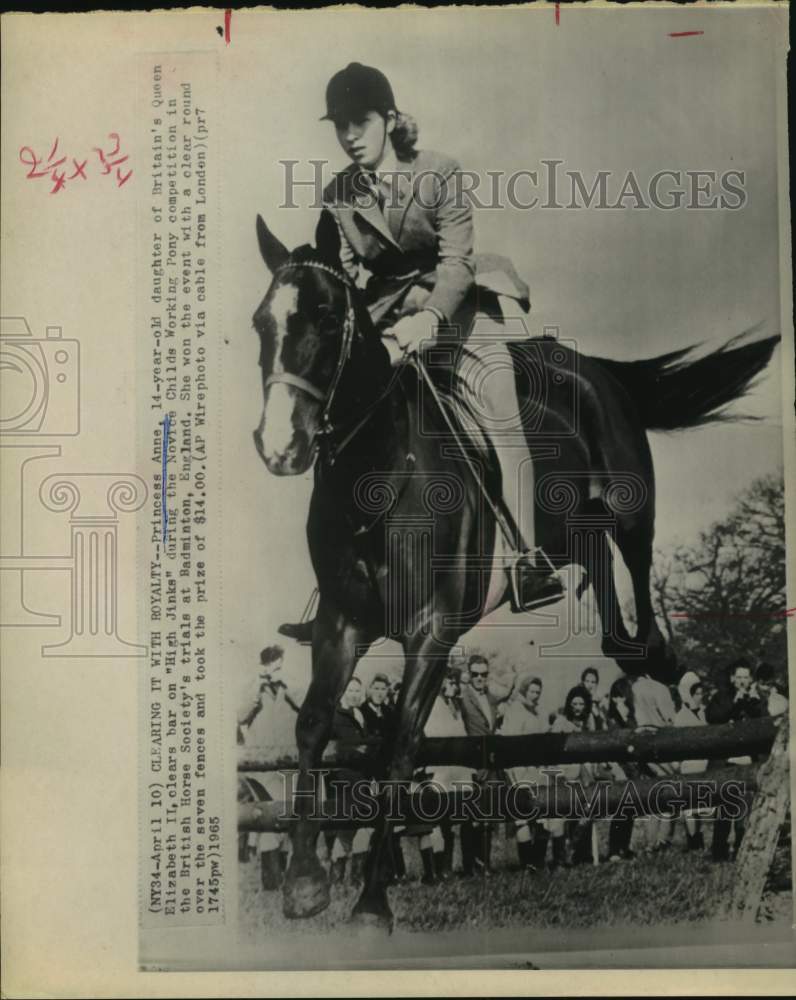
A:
[401, 540]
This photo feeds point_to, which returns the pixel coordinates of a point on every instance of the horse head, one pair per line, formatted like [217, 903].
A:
[306, 328]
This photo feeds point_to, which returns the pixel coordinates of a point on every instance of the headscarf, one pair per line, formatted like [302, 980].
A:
[686, 683]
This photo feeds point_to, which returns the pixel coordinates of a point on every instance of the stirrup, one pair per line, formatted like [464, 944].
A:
[538, 586]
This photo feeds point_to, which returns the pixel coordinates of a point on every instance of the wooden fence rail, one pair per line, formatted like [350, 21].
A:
[753, 737]
[757, 737]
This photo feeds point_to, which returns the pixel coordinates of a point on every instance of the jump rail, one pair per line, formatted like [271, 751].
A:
[765, 788]
[753, 737]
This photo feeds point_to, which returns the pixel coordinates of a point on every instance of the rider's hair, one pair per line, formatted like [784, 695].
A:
[380, 679]
[404, 136]
[477, 658]
[271, 654]
[740, 664]
[590, 670]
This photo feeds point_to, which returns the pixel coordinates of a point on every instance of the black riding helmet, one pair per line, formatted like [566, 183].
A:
[355, 90]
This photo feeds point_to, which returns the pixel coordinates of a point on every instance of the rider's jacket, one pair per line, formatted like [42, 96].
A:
[411, 231]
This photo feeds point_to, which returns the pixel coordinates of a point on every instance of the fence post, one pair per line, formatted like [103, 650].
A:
[766, 817]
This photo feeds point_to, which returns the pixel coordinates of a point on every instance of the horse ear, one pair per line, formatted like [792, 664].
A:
[273, 252]
[327, 237]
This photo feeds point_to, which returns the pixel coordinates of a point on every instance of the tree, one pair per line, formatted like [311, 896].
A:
[724, 597]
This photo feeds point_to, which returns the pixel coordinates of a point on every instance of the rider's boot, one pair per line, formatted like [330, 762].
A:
[300, 631]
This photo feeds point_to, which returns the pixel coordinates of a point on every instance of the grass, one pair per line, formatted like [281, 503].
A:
[650, 889]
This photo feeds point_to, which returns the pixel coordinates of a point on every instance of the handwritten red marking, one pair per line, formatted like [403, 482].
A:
[558, 13]
[227, 24]
[34, 161]
[108, 164]
[684, 34]
[110, 160]
[80, 170]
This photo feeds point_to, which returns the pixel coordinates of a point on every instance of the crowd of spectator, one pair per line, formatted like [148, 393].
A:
[471, 703]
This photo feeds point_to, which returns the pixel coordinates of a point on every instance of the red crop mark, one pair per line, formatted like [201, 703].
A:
[684, 34]
[788, 613]
[227, 24]
[558, 13]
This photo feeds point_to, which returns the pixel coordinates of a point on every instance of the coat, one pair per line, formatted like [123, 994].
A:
[378, 726]
[418, 247]
[348, 734]
[475, 722]
[519, 721]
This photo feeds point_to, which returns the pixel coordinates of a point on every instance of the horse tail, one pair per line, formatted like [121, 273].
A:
[672, 392]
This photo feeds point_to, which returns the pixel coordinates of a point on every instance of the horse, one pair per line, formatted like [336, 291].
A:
[401, 539]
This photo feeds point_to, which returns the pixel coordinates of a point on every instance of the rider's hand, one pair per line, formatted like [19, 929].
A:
[411, 331]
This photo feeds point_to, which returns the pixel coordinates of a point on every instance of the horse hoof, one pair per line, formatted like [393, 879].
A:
[304, 896]
[368, 922]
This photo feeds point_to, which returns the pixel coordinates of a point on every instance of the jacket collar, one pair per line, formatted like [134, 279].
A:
[400, 198]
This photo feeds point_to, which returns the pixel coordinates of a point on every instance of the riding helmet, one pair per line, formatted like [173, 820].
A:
[357, 89]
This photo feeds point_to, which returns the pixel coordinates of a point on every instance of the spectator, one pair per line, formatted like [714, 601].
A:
[653, 709]
[621, 716]
[773, 700]
[377, 711]
[480, 713]
[734, 701]
[445, 719]
[574, 718]
[480, 706]
[523, 716]
[349, 731]
[590, 679]
[379, 714]
[692, 713]
[267, 717]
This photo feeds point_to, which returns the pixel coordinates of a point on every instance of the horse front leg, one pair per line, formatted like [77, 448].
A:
[336, 647]
[426, 662]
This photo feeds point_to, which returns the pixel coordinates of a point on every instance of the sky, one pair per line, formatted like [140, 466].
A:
[602, 90]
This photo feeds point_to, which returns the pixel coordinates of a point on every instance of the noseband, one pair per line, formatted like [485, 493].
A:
[299, 382]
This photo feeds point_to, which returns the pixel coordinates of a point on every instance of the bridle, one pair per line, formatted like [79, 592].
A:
[327, 430]
[326, 397]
